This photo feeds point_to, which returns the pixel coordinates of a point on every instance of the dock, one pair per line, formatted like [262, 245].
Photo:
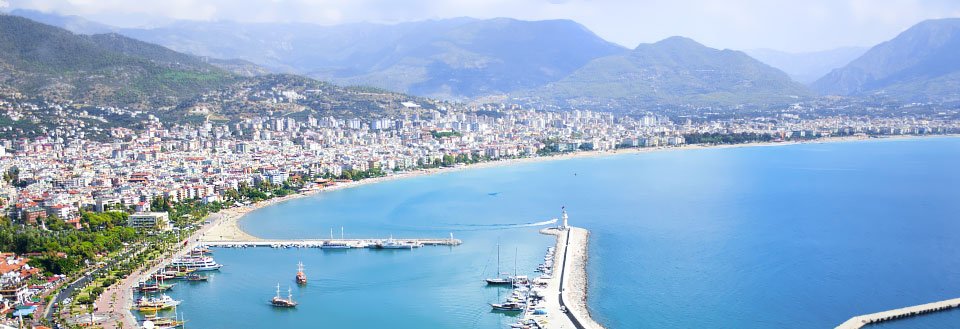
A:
[317, 243]
[861, 321]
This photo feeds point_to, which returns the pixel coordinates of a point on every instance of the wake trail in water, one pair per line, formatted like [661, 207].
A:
[510, 225]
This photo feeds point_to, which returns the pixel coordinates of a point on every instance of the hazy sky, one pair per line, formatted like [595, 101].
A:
[801, 25]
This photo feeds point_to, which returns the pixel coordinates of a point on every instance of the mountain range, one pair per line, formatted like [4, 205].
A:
[674, 71]
[467, 58]
[920, 64]
[448, 58]
[50, 63]
[558, 62]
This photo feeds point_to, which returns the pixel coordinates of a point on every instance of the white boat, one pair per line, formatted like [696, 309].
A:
[397, 244]
[196, 263]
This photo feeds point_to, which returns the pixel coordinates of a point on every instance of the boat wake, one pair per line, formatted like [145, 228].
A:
[508, 225]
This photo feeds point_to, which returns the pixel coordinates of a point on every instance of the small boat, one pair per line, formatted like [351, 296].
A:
[278, 301]
[508, 307]
[196, 277]
[301, 277]
[153, 287]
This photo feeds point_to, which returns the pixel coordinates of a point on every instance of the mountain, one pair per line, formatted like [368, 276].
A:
[674, 71]
[72, 23]
[807, 67]
[450, 58]
[920, 64]
[47, 63]
[106, 69]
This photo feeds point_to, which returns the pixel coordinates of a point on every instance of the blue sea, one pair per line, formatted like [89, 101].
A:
[792, 236]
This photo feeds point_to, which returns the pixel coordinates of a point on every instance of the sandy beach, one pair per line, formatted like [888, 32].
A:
[224, 226]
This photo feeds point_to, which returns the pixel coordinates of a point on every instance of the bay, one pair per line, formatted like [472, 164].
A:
[794, 236]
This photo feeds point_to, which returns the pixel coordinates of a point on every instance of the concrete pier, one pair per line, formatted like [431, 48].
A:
[317, 243]
[567, 287]
[861, 321]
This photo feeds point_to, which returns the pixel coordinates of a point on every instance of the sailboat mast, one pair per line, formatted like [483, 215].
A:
[498, 260]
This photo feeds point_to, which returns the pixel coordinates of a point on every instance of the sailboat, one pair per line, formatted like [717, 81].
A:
[499, 280]
[301, 277]
[335, 244]
[278, 301]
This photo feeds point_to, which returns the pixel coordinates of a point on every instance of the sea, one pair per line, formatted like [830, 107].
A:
[786, 236]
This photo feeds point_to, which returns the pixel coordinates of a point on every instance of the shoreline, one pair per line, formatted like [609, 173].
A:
[224, 225]
[227, 228]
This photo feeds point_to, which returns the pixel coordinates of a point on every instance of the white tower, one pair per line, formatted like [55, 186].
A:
[565, 226]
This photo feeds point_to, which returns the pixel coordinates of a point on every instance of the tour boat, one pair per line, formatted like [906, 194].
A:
[153, 304]
[301, 277]
[391, 243]
[335, 245]
[196, 263]
[278, 301]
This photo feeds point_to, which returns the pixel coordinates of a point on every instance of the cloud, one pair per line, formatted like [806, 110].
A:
[737, 24]
[4, 4]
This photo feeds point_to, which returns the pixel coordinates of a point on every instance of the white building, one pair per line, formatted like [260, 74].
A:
[150, 220]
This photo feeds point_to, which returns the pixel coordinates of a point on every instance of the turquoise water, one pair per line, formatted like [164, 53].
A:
[799, 236]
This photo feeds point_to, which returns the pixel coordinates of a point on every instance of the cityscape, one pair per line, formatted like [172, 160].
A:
[124, 177]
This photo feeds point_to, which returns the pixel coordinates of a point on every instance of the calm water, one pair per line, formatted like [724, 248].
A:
[800, 236]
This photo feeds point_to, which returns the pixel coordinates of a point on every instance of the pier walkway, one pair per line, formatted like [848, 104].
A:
[317, 243]
[900, 313]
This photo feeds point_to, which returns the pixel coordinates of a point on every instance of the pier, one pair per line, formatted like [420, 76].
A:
[861, 321]
[317, 243]
[567, 308]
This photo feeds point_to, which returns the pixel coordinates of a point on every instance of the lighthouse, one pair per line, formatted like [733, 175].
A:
[564, 210]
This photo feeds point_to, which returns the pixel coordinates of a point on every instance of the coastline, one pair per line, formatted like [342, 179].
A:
[227, 228]
[224, 226]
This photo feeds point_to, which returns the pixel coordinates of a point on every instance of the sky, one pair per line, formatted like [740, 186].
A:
[794, 26]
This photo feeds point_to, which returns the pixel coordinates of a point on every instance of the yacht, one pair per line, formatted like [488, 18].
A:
[508, 307]
[397, 244]
[197, 263]
[500, 280]
[335, 245]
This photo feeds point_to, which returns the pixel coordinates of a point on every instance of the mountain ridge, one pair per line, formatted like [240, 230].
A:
[916, 65]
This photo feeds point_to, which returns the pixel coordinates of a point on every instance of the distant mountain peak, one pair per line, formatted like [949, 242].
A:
[920, 64]
[679, 41]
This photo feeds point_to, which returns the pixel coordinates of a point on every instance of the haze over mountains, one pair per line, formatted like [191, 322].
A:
[676, 71]
[807, 67]
[558, 62]
[920, 64]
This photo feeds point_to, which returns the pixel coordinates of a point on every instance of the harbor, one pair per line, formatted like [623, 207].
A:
[558, 297]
